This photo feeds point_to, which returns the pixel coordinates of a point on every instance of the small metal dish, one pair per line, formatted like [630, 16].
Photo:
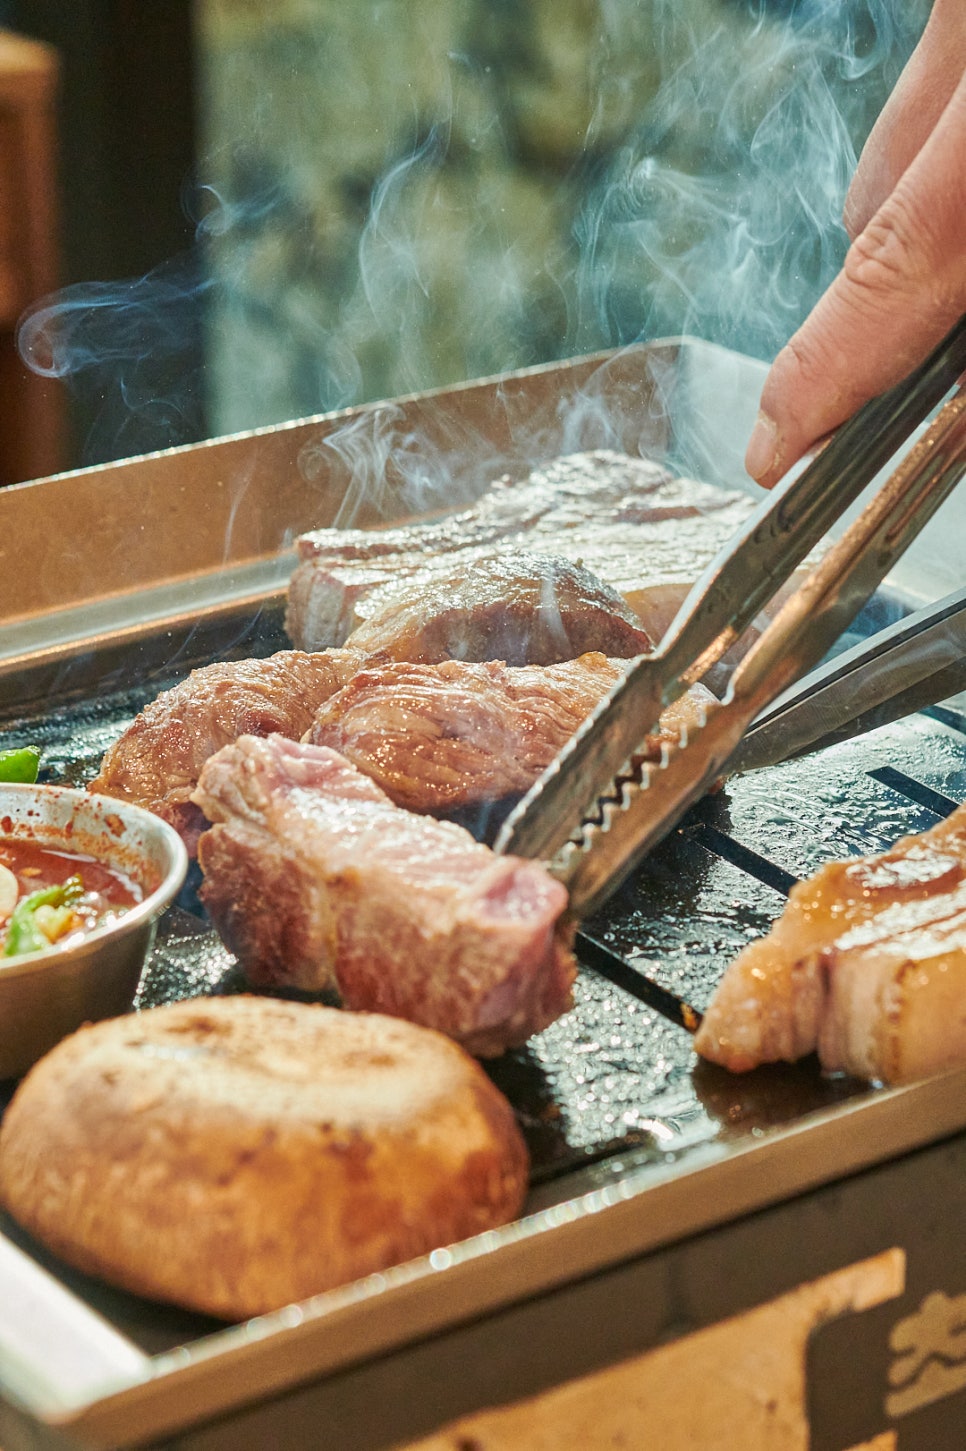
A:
[46, 995]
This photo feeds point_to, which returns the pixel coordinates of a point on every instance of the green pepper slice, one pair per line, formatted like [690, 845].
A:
[20, 764]
[23, 934]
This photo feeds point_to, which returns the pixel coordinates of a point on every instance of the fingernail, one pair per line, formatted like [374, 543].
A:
[763, 447]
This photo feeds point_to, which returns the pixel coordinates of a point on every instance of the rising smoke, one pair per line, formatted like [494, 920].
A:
[719, 212]
[398, 197]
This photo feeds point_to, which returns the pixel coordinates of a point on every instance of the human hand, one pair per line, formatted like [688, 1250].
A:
[903, 284]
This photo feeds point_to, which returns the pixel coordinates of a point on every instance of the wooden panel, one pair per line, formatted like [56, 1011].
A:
[9, 281]
[125, 161]
[31, 407]
[738, 1385]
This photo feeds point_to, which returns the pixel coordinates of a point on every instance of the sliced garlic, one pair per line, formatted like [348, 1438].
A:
[55, 922]
[9, 892]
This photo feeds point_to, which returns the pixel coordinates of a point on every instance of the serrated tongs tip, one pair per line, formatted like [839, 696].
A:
[590, 816]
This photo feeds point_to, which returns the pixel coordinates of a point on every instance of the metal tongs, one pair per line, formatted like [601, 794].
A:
[596, 810]
[919, 660]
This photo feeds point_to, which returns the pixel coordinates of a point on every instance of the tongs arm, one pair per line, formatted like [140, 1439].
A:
[914, 663]
[724, 601]
[651, 801]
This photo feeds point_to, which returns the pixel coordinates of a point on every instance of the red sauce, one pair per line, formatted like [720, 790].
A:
[107, 891]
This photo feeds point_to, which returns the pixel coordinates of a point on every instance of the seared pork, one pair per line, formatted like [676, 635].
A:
[315, 879]
[157, 761]
[521, 608]
[867, 964]
[441, 737]
[634, 525]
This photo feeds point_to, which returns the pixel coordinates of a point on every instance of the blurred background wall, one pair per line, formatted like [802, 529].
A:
[269, 210]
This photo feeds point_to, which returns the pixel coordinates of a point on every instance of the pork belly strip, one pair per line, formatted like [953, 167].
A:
[896, 992]
[157, 761]
[518, 607]
[441, 737]
[799, 988]
[314, 878]
[633, 524]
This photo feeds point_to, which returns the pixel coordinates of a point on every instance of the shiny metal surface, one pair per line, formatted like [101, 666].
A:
[46, 995]
[914, 663]
[177, 556]
[200, 538]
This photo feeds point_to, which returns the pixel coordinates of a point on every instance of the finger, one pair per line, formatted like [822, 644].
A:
[908, 118]
[901, 289]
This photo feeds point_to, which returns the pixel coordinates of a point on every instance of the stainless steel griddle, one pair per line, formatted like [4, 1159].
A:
[117, 580]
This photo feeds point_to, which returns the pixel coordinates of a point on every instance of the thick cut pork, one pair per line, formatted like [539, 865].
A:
[522, 608]
[631, 523]
[867, 964]
[157, 761]
[441, 737]
[519, 609]
[314, 879]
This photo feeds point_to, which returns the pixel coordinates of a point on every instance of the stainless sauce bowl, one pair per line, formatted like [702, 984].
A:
[46, 995]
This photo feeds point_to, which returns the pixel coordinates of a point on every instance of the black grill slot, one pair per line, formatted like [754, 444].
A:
[610, 965]
[749, 861]
[917, 791]
[952, 718]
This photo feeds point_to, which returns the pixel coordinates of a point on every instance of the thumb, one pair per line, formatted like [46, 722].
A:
[901, 289]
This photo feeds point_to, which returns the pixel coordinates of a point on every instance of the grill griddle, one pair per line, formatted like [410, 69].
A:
[633, 1142]
[615, 1082]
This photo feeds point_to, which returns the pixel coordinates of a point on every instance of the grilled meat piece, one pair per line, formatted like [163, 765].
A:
[896, 1007]
[441, 737]
[634, 525]
[521, 608]
[157, 761]
[314, 878]
[867, 964]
